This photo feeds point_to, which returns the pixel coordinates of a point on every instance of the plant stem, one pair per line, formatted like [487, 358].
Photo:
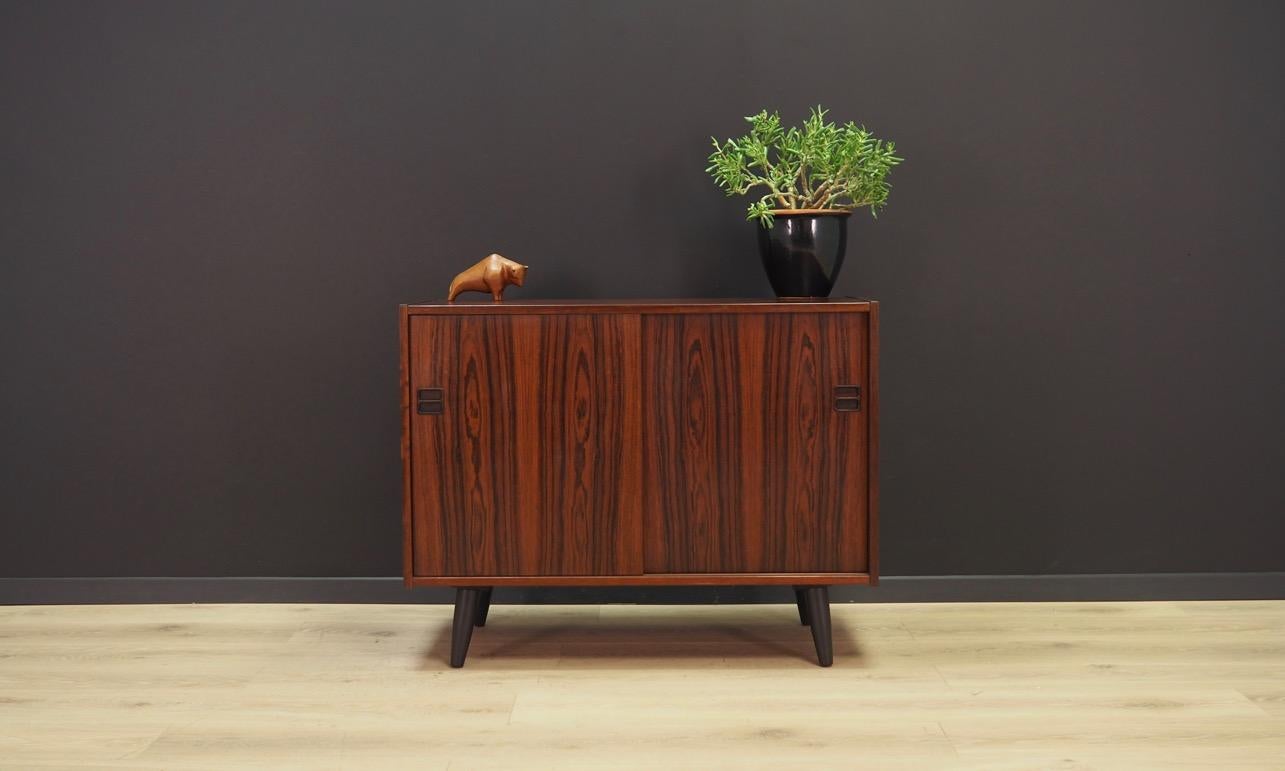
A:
[852, 205]
[818, 198]
[805, 183]
[767, 168]
[786, 199]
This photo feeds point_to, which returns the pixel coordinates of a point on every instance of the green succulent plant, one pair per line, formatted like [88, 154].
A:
[817, 166]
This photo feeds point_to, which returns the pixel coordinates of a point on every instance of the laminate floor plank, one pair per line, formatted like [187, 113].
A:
[961, 686]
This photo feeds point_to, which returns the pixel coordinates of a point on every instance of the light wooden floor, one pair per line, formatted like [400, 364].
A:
[993, 686]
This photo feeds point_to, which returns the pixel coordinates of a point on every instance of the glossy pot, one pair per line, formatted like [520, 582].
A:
[803, 250]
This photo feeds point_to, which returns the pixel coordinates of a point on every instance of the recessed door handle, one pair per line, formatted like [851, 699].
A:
[847, 398]
[430, 401]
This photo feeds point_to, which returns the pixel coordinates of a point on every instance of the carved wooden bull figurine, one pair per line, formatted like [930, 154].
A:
[492, 274]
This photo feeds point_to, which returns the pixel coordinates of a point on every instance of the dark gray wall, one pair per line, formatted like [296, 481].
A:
[209, 212]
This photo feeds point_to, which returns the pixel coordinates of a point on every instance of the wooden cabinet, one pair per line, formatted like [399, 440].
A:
[683, 442]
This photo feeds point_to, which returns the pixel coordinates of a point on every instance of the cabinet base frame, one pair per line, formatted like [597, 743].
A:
[654, 579]
[473, 602]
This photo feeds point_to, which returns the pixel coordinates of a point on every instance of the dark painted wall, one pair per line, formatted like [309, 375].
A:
[209, 212]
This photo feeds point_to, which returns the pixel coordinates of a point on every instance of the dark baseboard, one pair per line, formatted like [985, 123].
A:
[1014, 588]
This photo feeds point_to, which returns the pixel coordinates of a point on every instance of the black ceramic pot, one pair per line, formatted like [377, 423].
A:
[803, 250]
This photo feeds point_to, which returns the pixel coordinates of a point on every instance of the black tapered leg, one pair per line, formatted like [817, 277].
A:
[483, 605]
[817, 599]
[466, 605]
[803, 605]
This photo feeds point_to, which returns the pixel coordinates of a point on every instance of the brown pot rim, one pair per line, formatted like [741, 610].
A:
[811, 212]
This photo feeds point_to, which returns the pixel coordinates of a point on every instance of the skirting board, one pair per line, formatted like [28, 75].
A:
[1011, 588]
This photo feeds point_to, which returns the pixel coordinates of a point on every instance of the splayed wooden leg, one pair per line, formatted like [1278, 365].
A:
[802, 603]
[818, 605]
[467, 600]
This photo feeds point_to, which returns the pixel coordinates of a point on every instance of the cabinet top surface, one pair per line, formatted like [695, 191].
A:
[720, 305]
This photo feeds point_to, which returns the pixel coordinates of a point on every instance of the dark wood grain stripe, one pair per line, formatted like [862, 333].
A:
[532, 469]
[748, 468]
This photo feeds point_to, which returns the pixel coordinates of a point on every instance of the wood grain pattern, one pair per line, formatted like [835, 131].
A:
[464, 465]
[872, 441]
[570, 429]
[558, 307]
[404, 365]
[579, 446]
[532, 467]
[747, 466]
[1146, 685]
[810, 578]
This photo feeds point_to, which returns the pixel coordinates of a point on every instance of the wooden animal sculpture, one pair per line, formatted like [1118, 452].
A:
[492, 274]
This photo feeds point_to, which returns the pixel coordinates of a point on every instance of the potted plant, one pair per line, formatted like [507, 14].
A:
[814, 177]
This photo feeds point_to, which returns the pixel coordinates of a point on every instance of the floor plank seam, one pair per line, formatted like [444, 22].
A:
[954, 749]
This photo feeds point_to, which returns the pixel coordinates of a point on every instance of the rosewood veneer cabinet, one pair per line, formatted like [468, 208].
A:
[640, 443]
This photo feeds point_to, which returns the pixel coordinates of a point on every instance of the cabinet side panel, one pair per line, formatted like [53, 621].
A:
[578, 445]
[872, 439]
[408, 531]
